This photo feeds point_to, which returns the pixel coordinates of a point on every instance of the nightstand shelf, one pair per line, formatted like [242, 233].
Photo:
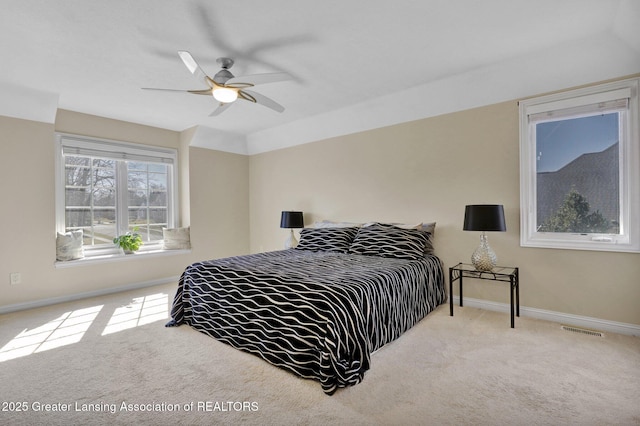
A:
[499, 273]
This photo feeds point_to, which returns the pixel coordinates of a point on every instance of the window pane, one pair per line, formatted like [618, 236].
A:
[77, 196]
[148, 201]
[103, 231]
[90, 198]
[577, 175]
[158, 198]
[158, 216]
[158, 181]
[137, 180]
[137, 216]
[137, 198]
[159, 168]
[136, 165]
[77, 217]
[155, 232]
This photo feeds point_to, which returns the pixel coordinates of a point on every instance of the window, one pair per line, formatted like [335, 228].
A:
[580, 169]
[107, 188]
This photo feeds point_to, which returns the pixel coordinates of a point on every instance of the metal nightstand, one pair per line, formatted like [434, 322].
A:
[499, 273]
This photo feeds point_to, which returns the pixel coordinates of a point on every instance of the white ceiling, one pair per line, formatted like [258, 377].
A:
[356, 64]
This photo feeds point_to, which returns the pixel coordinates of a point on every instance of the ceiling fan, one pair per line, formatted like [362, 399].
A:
[226, 88]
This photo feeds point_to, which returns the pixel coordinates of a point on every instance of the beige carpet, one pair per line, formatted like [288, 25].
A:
[114, 356]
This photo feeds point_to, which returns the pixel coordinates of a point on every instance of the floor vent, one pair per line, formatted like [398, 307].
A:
[582, 331]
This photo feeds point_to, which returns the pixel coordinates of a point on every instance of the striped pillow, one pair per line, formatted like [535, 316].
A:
[327, 239]
[391, 241]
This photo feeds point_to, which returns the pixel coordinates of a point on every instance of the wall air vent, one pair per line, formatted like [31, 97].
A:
[582, 331]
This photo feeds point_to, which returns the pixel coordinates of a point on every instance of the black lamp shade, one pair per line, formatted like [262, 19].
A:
[291, 220]
[484, 217]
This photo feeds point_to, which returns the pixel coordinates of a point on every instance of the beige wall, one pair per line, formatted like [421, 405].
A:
[219, 203]
[425, 170]
[428, 170]
[214, 187]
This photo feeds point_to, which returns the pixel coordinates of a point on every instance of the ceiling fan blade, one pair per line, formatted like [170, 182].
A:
[195, 92]
[244, 95]
[164, 90]
[261, 99]
[256, 79]
[221, 108]
[193, 67]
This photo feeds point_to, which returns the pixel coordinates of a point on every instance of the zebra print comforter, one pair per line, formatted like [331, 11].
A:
[319, 315]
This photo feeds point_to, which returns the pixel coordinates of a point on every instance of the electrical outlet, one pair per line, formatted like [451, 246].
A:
[15, 278]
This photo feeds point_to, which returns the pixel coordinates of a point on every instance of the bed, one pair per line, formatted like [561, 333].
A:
[319, 310]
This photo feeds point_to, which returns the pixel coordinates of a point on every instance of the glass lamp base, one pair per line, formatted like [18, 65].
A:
[291, 242]
[484, 258]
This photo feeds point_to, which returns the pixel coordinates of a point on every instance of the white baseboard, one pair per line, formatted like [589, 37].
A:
[559, 317]
[70, 298]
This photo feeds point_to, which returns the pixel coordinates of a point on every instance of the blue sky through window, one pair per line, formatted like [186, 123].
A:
[560, 142]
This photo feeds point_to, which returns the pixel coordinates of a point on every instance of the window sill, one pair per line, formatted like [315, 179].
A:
[593, 242]
[118, 257]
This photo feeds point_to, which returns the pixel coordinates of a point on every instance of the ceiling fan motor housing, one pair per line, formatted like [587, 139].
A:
[222, 76]
[225, 63]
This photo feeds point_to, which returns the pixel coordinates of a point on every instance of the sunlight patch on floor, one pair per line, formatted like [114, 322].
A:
[142, 310]
[67, 329]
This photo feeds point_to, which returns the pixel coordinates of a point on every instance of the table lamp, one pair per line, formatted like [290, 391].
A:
[484, 217]
[290, 219]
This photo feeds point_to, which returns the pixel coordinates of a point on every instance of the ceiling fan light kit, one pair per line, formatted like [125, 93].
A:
[226, 88]
[225, 95]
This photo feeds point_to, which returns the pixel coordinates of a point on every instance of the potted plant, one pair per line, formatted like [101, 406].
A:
[129, 242]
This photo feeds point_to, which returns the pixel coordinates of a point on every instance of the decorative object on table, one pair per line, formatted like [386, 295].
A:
[291, 220]
[129, 242]
[484, 218]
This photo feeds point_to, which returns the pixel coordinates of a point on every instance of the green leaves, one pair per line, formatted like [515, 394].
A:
[131, 241]
[574, 216]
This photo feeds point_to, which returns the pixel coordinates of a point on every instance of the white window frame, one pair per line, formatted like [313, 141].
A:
[629, 167]
[118, 150]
